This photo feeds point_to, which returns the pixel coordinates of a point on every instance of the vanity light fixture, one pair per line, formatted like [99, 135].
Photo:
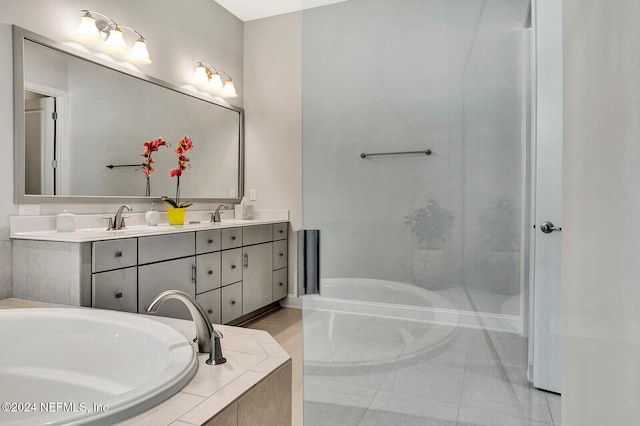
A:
[207, 74]
[108, 31]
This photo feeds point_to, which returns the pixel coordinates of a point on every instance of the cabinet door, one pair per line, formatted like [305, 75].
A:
[210, 301]
[156, 248]
[280, 230]
[256, 234]
[116, 290]
[208, 272]
[114, 254]
[279, 254]
[257, 276]
[231, 238]
[176, 274]
[231, 302]
[280, 284]
[231, 266]
[208, 241]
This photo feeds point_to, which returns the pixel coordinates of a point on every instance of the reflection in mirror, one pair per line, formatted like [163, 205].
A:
[85, 125]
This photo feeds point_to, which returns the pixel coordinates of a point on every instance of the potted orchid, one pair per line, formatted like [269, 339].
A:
[150, 147]
[177, 210]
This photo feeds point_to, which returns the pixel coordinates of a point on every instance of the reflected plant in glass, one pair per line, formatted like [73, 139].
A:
[431, 224]
[150, 147]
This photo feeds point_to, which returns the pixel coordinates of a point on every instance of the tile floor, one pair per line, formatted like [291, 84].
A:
[410, 373]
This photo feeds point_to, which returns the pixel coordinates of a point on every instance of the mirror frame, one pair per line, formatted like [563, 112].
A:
[19, 36]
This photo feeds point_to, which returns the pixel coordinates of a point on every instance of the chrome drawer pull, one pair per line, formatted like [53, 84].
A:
[119, 295]
[233, 266]
[233, 302]
[246, 260]
[281, 254]
[210, 311]
[118, 254]
[210, 241]
[193, 273]
[210, 272]
[281, 284]
[233, 238]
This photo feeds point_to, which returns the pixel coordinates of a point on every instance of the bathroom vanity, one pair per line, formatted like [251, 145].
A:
[235, 268]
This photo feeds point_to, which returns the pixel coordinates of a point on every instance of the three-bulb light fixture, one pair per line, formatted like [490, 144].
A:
[108, 31]
[209, 76]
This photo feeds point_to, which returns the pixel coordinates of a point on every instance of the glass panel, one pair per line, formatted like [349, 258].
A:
[415, 248]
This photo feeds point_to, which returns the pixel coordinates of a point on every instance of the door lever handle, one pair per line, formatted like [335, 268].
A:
[548, 227]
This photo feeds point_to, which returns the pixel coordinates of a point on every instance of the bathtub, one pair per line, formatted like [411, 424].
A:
[87, 366]
[363, 322]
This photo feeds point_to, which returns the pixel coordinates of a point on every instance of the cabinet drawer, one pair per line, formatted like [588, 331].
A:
[231, 238]
[280, 254]
[231, 302]
[210, 301]
[280, 287]
[257, 234]
[171, 275]
[117, 290]
[231, 266]
[207, 272]
[208, 241]
[114, 254]
[280, 231]
[163, 247]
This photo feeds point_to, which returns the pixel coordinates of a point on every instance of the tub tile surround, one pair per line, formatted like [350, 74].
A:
[239, 386]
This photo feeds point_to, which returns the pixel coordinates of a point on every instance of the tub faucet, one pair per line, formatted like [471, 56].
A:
[118, 220]
[208, 339]
[215, 217]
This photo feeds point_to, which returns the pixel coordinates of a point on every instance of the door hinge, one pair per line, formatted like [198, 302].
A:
[54, 164]
[54, 115]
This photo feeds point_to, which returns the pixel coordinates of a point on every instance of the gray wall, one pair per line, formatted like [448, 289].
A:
[274, 118]
[179, 35]
[601, 230]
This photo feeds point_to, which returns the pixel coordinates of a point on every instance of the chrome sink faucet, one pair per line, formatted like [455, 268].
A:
[118, 220]
[207, 338]
[215, 217]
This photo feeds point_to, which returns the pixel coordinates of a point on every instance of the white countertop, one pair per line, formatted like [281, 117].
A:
[251, 356]
[90, 227]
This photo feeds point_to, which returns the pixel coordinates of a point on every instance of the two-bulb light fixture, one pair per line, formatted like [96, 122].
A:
[207, 75]
[107, 31]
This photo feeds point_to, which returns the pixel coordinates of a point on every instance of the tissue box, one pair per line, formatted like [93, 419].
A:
[244, 211]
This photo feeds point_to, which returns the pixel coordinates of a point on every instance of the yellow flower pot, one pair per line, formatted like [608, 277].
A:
[176, 216]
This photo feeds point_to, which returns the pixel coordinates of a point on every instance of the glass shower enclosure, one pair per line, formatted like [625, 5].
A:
[424, 241]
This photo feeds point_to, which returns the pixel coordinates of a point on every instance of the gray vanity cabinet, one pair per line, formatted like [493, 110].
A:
[178, 274]
[257, 277]
[210, 301]
[232, 272]
[116, 290]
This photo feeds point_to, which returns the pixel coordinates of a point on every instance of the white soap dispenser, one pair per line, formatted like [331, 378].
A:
[152, 216]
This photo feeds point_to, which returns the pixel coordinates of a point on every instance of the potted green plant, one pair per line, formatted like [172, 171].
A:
[431, 224]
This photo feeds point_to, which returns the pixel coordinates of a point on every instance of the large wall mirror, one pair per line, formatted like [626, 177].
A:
[80, 125]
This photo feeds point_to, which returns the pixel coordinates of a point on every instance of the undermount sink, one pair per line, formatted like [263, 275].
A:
[94, 366]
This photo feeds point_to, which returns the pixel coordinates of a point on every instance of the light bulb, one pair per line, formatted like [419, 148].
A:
[216, 82]
[115, 42]
[229, 90]
[87, 31]
[200, 77]
[139, 53]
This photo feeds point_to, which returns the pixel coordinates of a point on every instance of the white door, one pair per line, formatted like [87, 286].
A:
[548, 196]
[40, 134]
